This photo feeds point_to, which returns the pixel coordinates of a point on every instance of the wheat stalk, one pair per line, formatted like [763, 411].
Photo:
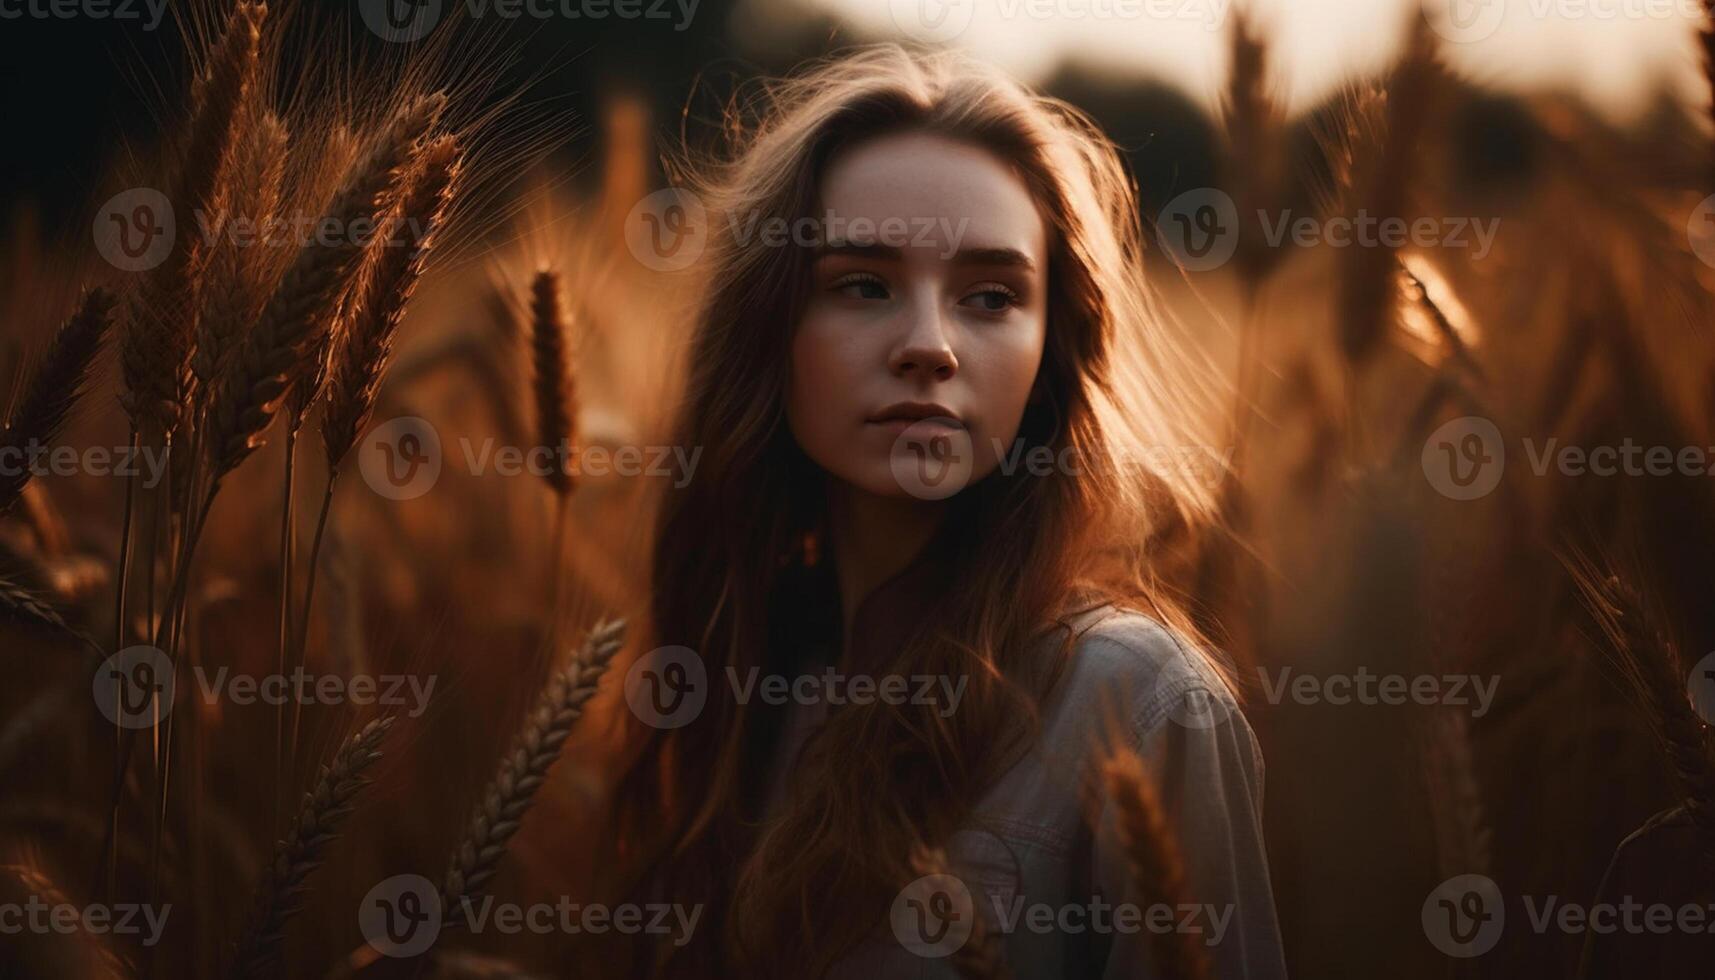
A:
[23, 605]
[52, 391]
[155, 353]
[1650, 659]
[317, 824]
[232, 299]
[1153, 859]
[369, 342]
[551, 376]
[1367, 280]
[280, 351]
[525, 767]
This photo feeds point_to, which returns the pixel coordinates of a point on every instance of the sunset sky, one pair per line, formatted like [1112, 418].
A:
[1614, 52]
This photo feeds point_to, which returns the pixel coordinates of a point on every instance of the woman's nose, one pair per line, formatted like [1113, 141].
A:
[925, 347]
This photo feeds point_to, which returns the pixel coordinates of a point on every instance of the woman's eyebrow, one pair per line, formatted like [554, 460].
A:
[994, 256]
[990, 256]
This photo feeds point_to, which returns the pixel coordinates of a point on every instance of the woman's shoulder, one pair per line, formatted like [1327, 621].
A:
[1128, 661]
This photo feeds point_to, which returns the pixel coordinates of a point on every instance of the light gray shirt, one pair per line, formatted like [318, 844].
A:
[1058, 891]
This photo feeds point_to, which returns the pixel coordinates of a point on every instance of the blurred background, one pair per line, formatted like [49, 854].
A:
[1580, 129]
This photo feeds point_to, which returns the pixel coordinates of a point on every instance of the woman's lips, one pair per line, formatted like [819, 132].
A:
[925, 427]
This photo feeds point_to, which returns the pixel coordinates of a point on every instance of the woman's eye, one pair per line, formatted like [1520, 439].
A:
[994, 299]
[861, 287]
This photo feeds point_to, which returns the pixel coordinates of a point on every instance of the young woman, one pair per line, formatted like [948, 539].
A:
[926, 501]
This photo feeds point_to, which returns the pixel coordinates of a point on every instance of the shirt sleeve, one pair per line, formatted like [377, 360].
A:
[1209, 771]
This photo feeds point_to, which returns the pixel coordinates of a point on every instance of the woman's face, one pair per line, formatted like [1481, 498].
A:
[926, 319]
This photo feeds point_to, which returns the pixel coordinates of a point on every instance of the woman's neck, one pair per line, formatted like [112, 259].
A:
[874, 538]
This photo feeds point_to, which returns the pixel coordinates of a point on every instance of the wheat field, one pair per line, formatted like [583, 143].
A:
[255, 386]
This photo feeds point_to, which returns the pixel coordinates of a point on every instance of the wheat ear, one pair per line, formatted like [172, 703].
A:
[1650, 659]
[1368, 276]
[982, 956]
[551, 375]
[53, 389]
[155, 353]
[525, 767]
[317, 824]
[1153, 859]
[281, 349]
[368, 345]
[231, 302]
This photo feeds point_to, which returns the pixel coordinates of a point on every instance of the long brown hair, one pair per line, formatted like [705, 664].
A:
[795, 887]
